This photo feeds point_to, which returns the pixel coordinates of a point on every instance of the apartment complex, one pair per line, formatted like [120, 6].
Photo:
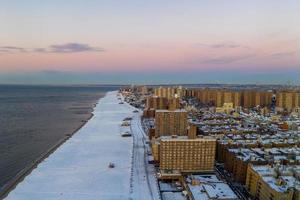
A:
[187, 155]
[169, 92]
[240, 150]
[244, 141]
[170, 122]
[247, 98]
[251, 98]
[142, 89]
[288, 100]
[156, 103]
[174, 104]
[273, 182]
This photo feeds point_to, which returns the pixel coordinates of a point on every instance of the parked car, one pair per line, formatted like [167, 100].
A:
[125, 123]
[111, 165]
[127, 119]
[126, 134]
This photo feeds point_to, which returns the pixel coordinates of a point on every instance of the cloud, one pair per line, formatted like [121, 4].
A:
[39, 50]
[11, 49]
[55, 48]
[227, 59]
[73, 48]
[221, 45]
[283, 54]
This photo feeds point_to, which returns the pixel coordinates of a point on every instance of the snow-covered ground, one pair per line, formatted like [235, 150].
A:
[144, 183]
[78, 169]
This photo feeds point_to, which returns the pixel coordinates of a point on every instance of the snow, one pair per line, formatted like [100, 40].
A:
[144, 182]
[272, 183]
[78, 169]
[173, 196]
[168, 187]
[212, 191]
[210, 187]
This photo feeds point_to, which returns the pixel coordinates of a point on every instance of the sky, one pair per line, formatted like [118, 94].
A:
[141, 41]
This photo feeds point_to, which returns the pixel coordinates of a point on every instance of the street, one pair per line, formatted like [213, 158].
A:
[143, 180]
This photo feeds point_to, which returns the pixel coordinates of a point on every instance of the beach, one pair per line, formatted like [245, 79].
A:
[35, 120]
[71, 171]
[79, 169]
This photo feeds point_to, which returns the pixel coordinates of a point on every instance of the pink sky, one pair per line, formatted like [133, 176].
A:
[149, 36]
[199, 56]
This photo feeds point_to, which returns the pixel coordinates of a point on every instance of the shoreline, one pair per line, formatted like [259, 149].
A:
[79, 169]
[21, 175]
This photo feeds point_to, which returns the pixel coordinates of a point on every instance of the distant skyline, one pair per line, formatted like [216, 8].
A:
[120, 41]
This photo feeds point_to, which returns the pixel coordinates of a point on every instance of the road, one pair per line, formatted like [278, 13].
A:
[143, 180]
[236, 187]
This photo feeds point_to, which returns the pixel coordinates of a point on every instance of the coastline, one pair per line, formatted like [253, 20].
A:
[79, 169]
[11, 184]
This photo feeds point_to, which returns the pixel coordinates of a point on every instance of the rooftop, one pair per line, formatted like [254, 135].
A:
[185, 138]
[210, 187]
[280, 185]
[177, 110]
[173, 196]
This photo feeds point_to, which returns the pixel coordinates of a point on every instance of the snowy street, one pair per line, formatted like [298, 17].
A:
[79, 168]
[144, 181]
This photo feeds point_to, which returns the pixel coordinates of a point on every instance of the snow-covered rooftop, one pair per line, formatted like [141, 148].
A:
[210, 187]
[173, 196]
[273, 183]
[168, 187]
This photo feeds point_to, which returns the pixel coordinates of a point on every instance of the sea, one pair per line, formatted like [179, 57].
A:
[35, 118]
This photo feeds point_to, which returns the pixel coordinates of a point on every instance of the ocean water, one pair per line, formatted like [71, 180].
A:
[34, 118]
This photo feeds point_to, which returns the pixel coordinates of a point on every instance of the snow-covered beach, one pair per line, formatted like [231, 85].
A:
[79, 168]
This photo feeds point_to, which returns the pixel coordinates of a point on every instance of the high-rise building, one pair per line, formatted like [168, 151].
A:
[288, 99]
[159, 103]
[156, 102]
[247, 98]
[236, 99]
[219, 99]
[169, 92]
[174, 104]
[170, 122]
[187, 155]
[228, 97]
[297, 100]
[142, 89]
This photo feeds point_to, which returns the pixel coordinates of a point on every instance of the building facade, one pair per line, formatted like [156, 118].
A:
[170, 122]
[187, 155]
